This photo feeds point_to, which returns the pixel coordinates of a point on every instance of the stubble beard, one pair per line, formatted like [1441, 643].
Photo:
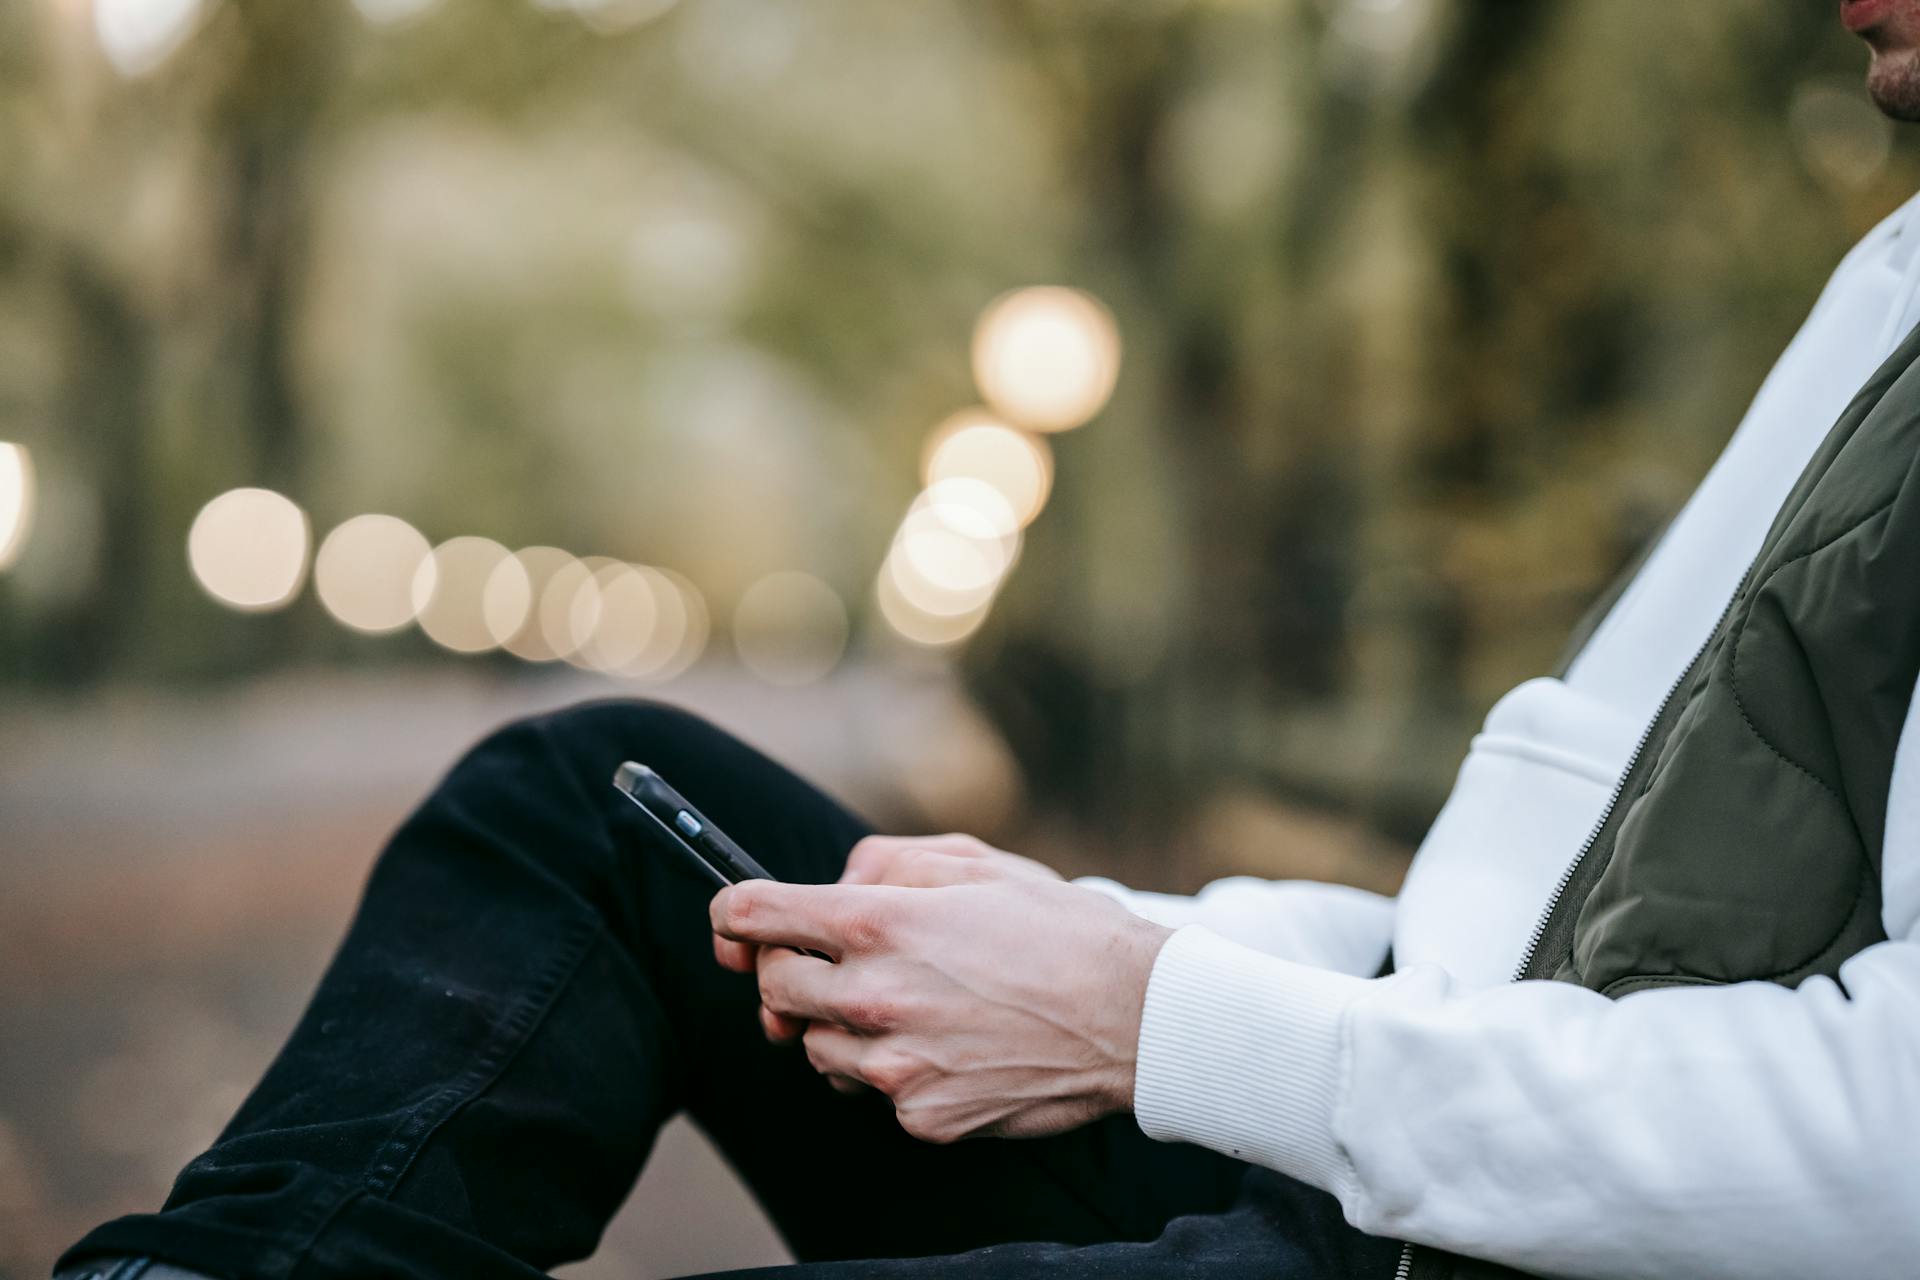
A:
[1893, 82]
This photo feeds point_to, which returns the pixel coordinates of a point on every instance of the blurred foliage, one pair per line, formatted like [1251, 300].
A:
[1434, 312]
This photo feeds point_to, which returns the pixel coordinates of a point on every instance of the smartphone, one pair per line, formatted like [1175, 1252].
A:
[686, 828]
[709, 848]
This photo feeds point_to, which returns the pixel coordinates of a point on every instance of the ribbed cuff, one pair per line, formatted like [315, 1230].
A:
[1241, 1052]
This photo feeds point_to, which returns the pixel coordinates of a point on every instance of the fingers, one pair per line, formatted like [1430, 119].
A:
[799, 989]
[836, 919]
[867, 861]
[835, 1053]
[871, 859]
[849, 1059]
[779, 1028]
[932, 869]
[737, 956]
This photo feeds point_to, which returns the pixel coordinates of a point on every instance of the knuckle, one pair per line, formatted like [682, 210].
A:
[926, 1125]
[868, 929]
[872, 1014]
[890, 1071]
[816, 1054]
[773, 977]
[742, 908]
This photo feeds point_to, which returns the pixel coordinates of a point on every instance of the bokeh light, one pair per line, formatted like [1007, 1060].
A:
[139, 35]
[248, 549]
[365, 571]
[974, 445]
[699, 624]
[554, 610]
[659, 657]
[953, 546]
[617, 620]
[919, 625]
[633, 621]
[507, 599]
[954, 550]
[1046, 357]
[790, 628]
[971, 507]
[571, 605]
[513, 601]
[948, 560]
[933, 597]
[16, 501]
[449, 590]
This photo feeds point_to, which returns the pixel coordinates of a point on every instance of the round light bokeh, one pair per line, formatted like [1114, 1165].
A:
[574, 600]
[790, 628]
[974, 445]
[1047, 357]
[248, 549]
[935, 599]
[364, 572]
[619, 635]
[920, 626]
[972, 508]
[16, 501]
[672, 619]
[138, 35]
[513, 601]
[958, 540]
[449, 592]
[632, 621]
[935, 552]
[699, 625]
[554, 609]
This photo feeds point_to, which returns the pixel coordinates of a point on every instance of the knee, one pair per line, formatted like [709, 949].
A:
[543, 784]
[590, 740]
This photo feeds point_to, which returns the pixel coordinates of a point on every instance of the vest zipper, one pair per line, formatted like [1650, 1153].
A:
[1620, 786]
[1405, 1269]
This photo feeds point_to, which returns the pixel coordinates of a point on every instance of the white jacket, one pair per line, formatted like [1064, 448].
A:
[1744, 1131]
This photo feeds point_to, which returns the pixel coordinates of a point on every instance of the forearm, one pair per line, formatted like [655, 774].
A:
[1747, 1131]
[1328, 926]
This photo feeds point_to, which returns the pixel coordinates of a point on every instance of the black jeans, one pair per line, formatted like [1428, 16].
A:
[528, 992]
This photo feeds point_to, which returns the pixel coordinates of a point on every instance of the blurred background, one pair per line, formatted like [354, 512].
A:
[1148, 435]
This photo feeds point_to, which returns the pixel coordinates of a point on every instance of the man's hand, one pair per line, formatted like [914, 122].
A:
[981, 996]
[916, 861]
[920, 861]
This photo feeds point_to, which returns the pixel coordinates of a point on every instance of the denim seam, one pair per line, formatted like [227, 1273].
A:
[307, 1226]
[510, 1035]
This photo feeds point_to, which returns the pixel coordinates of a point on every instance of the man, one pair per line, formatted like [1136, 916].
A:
[1699, 847]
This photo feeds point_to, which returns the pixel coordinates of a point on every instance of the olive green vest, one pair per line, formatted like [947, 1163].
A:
[1744, 841]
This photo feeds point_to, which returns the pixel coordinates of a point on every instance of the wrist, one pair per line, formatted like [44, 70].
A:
[1140, 944]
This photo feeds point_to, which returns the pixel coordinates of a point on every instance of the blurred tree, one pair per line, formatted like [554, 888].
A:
[1433, 312]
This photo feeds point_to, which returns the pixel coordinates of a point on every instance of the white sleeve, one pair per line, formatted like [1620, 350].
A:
[1328, 926]
[1740, 1131]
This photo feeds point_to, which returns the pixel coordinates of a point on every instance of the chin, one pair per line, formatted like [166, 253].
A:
[1893, 82]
